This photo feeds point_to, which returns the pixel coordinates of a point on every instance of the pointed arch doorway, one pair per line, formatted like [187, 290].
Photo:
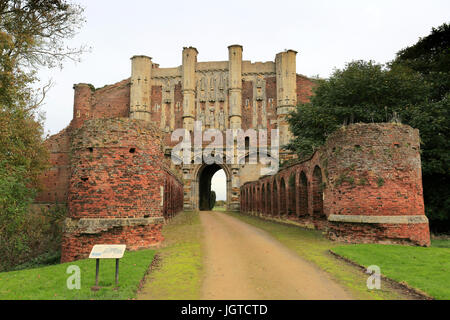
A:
[202, 185]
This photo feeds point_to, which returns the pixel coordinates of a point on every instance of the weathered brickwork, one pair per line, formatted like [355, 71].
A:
[120, 191]
[112, 164]
[363, 185]
[55, 181]
[78, 245]
[112, 175]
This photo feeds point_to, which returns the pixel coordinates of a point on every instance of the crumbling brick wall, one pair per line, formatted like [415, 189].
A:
[363, 185]
[117, 187]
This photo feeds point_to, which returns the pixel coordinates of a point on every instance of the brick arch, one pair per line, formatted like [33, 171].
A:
[275, 197]
[292, 207]
[302, 194]
[317, 192]
[249, 198]
[256, 189]
[283, 197]
[263, 199]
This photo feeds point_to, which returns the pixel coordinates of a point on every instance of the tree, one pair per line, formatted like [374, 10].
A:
[32, 35]
[363, 91]
[212, 200]
[430, 57]
[413, 89]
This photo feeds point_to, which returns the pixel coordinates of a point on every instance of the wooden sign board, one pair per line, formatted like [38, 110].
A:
[107, 251]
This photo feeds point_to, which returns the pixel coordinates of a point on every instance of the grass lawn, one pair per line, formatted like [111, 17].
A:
[50, 282]
[440, 243]
[314, 247]
[180, 273]
[427, 269]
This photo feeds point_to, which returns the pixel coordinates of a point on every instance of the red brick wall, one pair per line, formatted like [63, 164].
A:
[362, 170]
[118, 187]
[112, 101]
[378, 163]
[78, 246]
[305, 88]
[271, 95]
[107, 180]
[55, 180]
[82, 101]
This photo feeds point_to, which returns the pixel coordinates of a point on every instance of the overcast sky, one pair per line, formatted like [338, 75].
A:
[326, 34]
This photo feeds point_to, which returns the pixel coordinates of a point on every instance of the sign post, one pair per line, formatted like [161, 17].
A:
[106, 251]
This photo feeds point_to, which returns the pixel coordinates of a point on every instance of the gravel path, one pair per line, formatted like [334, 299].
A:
[244, 262]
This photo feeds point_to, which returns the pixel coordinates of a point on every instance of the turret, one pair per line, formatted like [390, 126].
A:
[286, 91]
[81, 103]
[235, 85]
[140, 90]
[188, 74]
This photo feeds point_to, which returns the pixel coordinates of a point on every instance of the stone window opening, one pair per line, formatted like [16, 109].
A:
[132, 150]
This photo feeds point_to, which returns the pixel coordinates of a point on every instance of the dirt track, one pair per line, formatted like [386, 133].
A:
[243, 262]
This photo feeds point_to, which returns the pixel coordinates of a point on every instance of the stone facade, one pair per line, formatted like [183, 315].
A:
[363, 185]
[112, 165]
[228, 94]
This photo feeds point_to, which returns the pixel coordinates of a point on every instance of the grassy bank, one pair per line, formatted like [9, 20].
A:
[49, 283]
[180, 269]
[427, 269]
[314, 247]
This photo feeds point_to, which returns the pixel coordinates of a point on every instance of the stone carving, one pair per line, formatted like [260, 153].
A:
[212, 118]
[202, 117]
[221, 120]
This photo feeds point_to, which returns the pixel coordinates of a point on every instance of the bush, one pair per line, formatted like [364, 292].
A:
[25, 234]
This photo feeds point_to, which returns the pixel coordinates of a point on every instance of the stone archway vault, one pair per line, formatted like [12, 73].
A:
[201, 187]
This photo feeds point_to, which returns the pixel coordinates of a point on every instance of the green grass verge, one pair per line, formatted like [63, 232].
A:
[180, 273]
[50, 283]
[440, 243]
[427, 269]
[314, 247]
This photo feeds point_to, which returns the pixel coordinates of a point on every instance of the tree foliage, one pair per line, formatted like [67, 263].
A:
[363, 91]
[212, 199]
[413, 89]
[33, 34]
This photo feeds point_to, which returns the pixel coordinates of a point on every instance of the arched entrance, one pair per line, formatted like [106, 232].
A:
[202, 185]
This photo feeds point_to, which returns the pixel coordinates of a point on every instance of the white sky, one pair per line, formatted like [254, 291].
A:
[326, 34]
[219, 185]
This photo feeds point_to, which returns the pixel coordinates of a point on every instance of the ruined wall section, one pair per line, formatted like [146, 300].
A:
[363, 186]
[375, 179]
[55, 180]
[117, 183]
[111, 101]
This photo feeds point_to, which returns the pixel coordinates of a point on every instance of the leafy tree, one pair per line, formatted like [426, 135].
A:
[430, 57]
[212, 200]
[32, 35]
[413, 89]
[363, 91]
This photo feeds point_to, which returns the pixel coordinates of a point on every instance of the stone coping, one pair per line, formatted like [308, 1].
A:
[97, 225]
[378, 219]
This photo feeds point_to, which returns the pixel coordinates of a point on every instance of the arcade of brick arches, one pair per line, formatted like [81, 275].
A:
[111, 166]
